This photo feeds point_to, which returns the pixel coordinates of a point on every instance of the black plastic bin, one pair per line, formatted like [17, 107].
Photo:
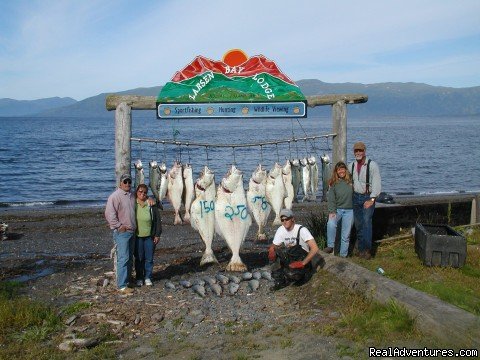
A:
[440, 245]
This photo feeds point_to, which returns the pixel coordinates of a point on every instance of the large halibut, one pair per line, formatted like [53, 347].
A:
[175, 190]
[232, 218]
[202, 212]
[275, 191]
[257, 202]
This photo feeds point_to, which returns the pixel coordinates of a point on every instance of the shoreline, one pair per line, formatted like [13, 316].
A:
[401, 197]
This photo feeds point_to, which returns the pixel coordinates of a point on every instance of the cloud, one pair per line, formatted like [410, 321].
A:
[82, 48]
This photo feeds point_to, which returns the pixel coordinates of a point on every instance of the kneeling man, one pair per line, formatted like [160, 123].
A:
[294, 252]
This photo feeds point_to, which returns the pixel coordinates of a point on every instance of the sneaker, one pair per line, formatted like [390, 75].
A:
[328, 250]
[148, 282]
[139, 283]
[126, 290]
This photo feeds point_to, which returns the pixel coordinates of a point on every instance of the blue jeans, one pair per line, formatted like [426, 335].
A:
[346, 215]
[125, 245]
[144, 249]
[363, 221]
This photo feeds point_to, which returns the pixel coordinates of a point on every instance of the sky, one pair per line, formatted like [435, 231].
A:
[79, 49]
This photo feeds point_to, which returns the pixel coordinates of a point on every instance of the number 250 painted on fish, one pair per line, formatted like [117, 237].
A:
[241, 212]
[206, 206]
[262, 199]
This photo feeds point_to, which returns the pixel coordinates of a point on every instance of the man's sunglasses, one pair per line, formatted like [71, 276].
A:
[285, 219]
[127, 181]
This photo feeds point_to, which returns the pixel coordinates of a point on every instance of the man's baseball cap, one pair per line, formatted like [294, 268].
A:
[125, 177]
[286, 212]
[359, 146]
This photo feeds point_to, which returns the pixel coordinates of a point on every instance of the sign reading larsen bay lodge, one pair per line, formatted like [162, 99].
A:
[234, 88]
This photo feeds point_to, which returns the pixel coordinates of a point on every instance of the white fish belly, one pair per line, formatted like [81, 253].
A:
[275, 193]
[287, 181]
[258, 205]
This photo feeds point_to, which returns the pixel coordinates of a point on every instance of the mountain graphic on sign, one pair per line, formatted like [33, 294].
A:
[258, 79]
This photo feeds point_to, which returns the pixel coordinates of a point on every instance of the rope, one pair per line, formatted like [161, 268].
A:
[188, 152]
[278, 157]
[261, 154]
[206, 152]
[234, 160]
[180, 143]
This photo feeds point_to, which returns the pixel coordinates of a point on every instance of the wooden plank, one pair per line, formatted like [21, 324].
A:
[331, 99]
[149, 102]
[134, 101]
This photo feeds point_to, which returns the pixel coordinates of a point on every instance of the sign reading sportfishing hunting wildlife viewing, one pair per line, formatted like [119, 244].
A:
[238, 87]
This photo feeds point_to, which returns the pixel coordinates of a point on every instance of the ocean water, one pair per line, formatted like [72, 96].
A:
[70, 161]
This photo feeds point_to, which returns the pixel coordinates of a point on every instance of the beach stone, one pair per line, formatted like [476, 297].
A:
[71, 320]
[76, 344]
[158, 317]
[137, 320]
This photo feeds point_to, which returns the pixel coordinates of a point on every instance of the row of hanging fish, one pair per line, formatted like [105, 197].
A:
[228, 210]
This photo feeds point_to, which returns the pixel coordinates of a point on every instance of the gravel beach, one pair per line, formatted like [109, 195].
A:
[63, 256]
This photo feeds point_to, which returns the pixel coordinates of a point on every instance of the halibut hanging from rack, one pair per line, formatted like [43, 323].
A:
[287, 181]
[305, 178]
[312, 163]
[202, 213]
[257, 202]
[139, 173]
[326, 173]
[188, 194]
[232, 219]
[296, 177]
[275, 191]
[162, 192]
[175, 190]
[154, 179]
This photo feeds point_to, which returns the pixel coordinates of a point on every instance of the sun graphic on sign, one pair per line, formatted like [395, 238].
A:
[234, 57]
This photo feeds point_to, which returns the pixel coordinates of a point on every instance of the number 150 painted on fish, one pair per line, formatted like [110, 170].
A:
[206, 207]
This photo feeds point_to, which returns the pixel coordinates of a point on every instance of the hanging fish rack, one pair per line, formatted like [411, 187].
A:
[263, 143]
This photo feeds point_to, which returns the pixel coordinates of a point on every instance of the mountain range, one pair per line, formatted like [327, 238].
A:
[384, 99]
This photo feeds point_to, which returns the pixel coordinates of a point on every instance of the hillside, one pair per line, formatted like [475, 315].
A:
[384, 99]
[11, 107]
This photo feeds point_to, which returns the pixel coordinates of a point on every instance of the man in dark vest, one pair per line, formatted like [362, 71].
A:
[367, 185]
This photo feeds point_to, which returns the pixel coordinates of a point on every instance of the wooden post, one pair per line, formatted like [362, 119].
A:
[475, 212]
[339, 126]
[123, 133]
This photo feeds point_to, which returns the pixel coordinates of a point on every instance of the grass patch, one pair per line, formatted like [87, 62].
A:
[75, 308]
[26, 326]
[367, 321]
[457, 286]
[316, 222]
[347, 314]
